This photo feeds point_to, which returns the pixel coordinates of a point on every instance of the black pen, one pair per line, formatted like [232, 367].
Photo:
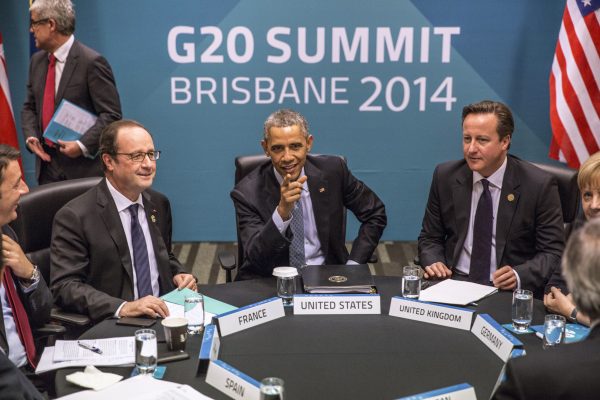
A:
[89, 347]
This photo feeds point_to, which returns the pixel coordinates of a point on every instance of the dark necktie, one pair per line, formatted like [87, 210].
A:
[482, 237]
[140, 255]
[297, 246]
[20, 316]
[48, 104]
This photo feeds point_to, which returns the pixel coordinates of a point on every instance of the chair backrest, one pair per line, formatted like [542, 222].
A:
[567, 189]
[35, 215]
[243, 166]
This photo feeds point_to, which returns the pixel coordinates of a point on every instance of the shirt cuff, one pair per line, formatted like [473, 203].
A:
[280, 223]
[351, 262]
[119, 310]
[31, 287]
[84, 149]
[518, 279]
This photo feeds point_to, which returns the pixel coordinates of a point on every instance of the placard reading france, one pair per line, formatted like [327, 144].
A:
[249, 316]
[337, 304]
[304, 47]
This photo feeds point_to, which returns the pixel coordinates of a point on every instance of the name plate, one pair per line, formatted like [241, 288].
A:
[463, 391]
[231, 381]
[453, 317]
[337, 304]
[494, 336]
[209, 349]
[250, 316]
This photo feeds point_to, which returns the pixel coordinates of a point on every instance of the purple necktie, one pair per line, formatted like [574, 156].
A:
[140, 255]
[482, 237]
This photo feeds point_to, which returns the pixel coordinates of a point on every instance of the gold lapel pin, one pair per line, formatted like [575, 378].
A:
[510, 197]
[321, 190]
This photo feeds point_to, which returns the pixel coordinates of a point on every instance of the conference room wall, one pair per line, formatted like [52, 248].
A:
[504, 51]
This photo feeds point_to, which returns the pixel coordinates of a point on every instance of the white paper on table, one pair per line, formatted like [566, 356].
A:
[176, 310]
[69, 350]
[47, 363]
[455, 292]
[140, 387]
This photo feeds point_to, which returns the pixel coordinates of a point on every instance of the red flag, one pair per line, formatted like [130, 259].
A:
[575, 84]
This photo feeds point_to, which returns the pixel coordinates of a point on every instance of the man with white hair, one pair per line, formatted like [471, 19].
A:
[569, 371]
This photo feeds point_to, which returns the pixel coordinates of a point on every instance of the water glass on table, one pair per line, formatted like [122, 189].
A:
[411, 281]
[145, 351]
[271, 389]
[194, 313]
[554, 330]
[522, 309]
[286, 284]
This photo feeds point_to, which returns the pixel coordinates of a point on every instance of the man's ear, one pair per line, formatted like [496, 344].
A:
[108, 161]
[309, 143]
[263, 143]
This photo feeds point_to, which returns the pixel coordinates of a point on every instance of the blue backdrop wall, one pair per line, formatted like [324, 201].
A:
[382, 82]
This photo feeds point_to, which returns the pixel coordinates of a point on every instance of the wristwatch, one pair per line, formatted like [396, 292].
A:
[35, 275]
[573, 316]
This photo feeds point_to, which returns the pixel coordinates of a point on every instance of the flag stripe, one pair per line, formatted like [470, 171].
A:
[575, 86]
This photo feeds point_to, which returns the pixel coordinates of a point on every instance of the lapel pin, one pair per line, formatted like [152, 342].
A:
[510, 197]
[321, 190]
[153, 218]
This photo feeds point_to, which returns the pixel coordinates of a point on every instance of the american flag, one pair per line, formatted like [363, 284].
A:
[575, 84]
[8, 131]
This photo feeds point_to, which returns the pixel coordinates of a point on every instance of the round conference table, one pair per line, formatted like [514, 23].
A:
[338, 356]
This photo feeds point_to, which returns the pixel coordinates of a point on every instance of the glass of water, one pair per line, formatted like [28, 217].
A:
[271, 389]
[411, 281]
[522, 309]
[145, 351]
[286, 284]
[554, 330]
[194, 313]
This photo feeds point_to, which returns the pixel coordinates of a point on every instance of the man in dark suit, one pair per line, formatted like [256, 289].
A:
[111, 247]
[65, 69]
[491, 218]
[268, 200]
[569, 371]
[24, 296]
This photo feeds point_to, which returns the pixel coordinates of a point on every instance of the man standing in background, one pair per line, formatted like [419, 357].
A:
[65, 69]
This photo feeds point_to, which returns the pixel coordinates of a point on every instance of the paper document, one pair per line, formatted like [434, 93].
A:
[47, 363]
[69, 122]
[211, 305]
[140, 387]
[70, 350]
[176, 310]
[456, 292]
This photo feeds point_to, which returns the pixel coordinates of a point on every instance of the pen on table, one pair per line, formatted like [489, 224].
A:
[89, 347]
[539, 334]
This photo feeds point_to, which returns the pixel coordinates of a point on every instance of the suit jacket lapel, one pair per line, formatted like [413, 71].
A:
[113, 224]
[319, 196]
[462, 191]
[507, 205]
[160, 250]
[70, 66]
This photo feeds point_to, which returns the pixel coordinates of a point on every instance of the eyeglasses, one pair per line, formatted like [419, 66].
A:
[140, 156]
[33, 23]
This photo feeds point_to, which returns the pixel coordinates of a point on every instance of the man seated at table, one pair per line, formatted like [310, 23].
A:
[290, 210]
[111, 247]
[569, 371]
[491, 218]
[25, 297]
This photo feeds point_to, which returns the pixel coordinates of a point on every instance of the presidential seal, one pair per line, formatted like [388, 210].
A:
[337, 279]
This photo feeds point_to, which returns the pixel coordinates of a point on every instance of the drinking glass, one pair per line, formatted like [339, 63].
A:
[554, 330]
[286, 284]
[271, 389]
[522, 309]
[411, 281]
[145, 351]
[194, 313]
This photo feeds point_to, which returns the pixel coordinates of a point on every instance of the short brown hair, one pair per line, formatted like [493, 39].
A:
[589, 172]
[506, 123]
[108, 138]
[7, 154]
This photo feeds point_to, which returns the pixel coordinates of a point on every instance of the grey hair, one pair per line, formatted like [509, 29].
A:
[284, 118]
[61, 11]
[581, 268]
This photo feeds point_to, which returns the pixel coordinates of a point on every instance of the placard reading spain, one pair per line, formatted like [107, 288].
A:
[232, 382]
[453, 317]
[249, 316]
[313, 304]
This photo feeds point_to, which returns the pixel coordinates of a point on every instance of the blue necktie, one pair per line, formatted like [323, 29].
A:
[482, 237]
[297, 246]
[140, 255]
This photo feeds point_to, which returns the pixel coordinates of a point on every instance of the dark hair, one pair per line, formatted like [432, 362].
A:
[7, 154]
[506, 124]
[284, 118]
[108, 138]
